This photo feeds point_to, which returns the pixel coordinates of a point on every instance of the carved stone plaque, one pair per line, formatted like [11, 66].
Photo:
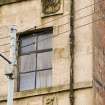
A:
[50, 6]
[50, 100]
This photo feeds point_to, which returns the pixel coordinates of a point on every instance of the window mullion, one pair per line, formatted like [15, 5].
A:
[19, 53]
[36, 58]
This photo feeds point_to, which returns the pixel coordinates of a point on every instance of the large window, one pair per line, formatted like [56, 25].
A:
[35, 60]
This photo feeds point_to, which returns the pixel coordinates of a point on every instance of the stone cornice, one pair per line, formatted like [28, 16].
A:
[6, 2]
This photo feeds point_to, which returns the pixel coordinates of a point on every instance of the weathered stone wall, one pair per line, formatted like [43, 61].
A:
[83, 53]
[20, 15]
[84, 97]
[99, 53]
[83, 63]
[28, 14]
[51, 96]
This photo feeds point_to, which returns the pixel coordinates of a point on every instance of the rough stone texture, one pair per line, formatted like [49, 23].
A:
[99, 53]
[84, 97]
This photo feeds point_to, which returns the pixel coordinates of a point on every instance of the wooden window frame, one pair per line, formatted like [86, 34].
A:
[26, 34]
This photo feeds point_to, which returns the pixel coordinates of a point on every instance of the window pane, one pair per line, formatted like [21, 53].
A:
[26, 44]
[27, 81]
[27, 63]
[44, 41]
[44, 78]
[49, 77]
[44, 60]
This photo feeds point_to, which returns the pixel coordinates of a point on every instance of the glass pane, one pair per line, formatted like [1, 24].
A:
[44, 41]
[27, 81]
[26, 44]
[44, 60]
[27, 63]
[49, 78]
[44, 78]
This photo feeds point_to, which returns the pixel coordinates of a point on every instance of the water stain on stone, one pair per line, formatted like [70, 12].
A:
[59, 52]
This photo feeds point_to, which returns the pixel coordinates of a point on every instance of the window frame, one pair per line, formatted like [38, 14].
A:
[27, 34]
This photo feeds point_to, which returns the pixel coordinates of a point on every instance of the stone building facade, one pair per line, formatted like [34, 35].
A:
[33, 17]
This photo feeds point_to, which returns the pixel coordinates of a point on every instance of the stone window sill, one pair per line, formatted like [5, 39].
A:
[37, 92]
[5, 2]
[50, 90]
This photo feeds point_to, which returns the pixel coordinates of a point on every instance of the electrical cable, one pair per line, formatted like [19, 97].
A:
[5, 44]
[4, 37]
[63, 32]
[5, 51]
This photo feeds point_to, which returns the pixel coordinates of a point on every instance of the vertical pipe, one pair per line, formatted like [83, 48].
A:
[10, 91]
[72, 38]
[12, 66]
[13, 46]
